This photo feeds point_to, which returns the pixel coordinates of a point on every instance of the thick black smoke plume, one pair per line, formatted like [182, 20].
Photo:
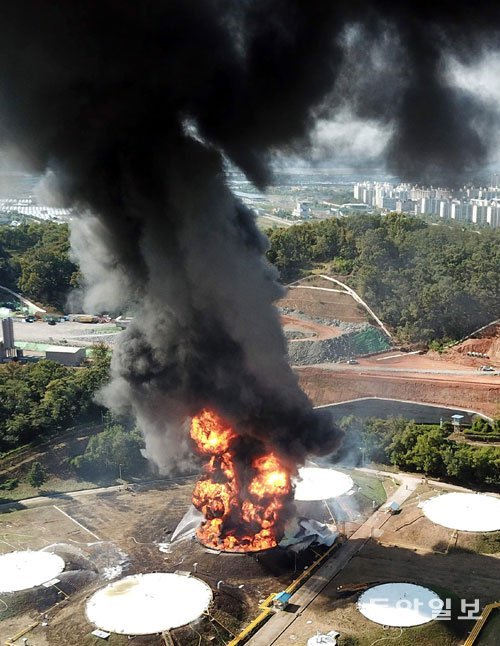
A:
[133, 104]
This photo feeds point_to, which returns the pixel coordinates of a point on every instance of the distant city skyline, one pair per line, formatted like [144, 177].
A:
[479, 205]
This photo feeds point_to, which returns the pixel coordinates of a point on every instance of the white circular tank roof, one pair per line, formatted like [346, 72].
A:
[315, 483]
[468, 512]
[145, 604]
[24, 570]
[400, 604]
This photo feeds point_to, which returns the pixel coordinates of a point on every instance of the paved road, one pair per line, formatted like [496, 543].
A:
[41, 501]
[361, 369]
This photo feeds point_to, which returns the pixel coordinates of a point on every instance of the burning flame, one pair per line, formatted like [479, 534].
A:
[242, 513]
[271, 477]
[211, 433]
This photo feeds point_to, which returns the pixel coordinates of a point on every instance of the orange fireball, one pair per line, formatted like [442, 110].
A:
[237, 518]
[211, 433]
[271, 480]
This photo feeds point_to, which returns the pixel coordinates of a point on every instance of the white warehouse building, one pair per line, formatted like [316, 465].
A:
[66, 355]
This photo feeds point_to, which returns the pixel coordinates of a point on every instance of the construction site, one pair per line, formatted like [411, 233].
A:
[342, 352]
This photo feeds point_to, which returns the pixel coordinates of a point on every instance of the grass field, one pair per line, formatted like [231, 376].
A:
[370, 487]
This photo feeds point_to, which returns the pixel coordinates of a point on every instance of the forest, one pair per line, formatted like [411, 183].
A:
[428, 282]
[42, 399]
[424, 448]
[34, 260]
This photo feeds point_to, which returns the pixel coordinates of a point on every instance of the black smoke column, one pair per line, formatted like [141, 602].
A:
[132, 106]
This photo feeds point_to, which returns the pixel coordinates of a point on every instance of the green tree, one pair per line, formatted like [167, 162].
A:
[480, 426]
[111, 450]
[427, 453]
[46, 275]
[45, 397]
[37, 475]
[458, 463]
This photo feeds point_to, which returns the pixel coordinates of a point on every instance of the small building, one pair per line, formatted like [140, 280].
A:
[456, 420]
[302, 210]
[393, 508]
[66, 355]
[281, 600]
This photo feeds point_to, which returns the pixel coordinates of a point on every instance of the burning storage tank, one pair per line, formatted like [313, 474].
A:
[245, 493]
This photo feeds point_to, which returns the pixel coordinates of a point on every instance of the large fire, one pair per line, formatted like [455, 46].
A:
[242, 499]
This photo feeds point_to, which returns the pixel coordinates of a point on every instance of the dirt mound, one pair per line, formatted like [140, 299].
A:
[486, 344]
[299, 327]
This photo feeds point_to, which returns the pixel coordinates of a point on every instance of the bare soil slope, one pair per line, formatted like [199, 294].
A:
[326, 302]
[487, 343]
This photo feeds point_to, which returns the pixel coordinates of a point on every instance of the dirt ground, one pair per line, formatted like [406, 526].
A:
[451, 576]
[431, 361]
[70, 332]
[338, 383]
[310, 329]
[327, 302]
[412, 549]
[486, 342]
[452, 378]
[117, 533]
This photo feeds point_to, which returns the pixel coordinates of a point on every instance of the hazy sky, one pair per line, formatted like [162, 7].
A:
[348, 139]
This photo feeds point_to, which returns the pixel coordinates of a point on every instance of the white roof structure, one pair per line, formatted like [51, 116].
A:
[400, 604]
[315, 483]
[323, 639]
[25, 570]
[145, 604]
[467, 512]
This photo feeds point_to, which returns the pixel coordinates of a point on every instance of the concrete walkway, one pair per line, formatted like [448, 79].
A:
[44, 500]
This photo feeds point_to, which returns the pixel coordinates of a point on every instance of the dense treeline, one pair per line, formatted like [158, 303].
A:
[429, 282]
[40, 399]
[34, 260]
[423, 448]
[426, 281]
